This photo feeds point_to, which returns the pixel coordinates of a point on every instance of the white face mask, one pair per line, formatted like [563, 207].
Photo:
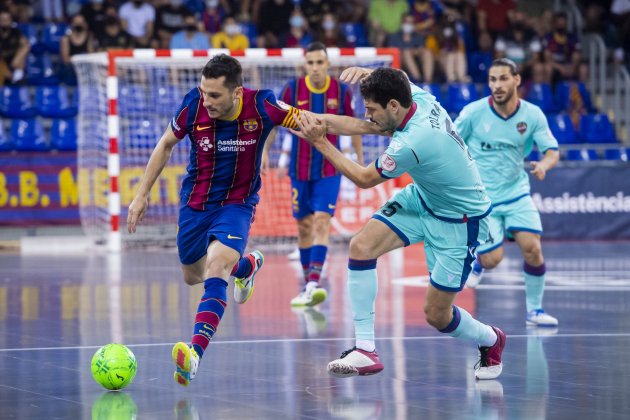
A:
[408, 28]
[232, 29]
[328, 25]
[212, 4]
[448, 32]
[296, 21]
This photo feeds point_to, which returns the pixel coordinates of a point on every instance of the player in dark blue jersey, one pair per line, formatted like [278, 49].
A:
[227, 125]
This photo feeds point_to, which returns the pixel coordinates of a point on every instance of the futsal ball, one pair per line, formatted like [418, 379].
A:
[114, 366]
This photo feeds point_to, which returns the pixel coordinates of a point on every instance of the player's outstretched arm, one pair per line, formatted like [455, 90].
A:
[158, 160]
[551, 158]
[313, 130]
[346, 126]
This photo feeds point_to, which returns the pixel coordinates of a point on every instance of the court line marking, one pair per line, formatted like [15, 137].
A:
[601, 286]
[304, 340]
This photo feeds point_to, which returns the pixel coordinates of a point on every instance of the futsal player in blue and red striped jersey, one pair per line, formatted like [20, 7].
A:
[227, 125]
[314, 180]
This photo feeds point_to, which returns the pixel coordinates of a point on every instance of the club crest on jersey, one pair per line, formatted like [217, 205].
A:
[521, 127]
[332, 103]
[388, 163]
[250, 125]
[204, 143]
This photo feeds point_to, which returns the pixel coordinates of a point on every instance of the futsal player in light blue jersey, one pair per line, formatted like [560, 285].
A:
[500, 131]
[446, 207]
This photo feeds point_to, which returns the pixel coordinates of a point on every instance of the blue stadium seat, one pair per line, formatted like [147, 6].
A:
[354, 34]
[28, 135]
[562, 96]
[54, 102]
[434, 89]
[250, 31]
[167, 99]
[616, 154]
[5, 144]
[16, 103]
[596, 128]
[534, 156]
[460, 94]
[486, 90]
[540, 94]
[478, 65]
[582, 154]
[31, 33]
[51, 36]
[562, 128]
[39, 70]
[63, 134]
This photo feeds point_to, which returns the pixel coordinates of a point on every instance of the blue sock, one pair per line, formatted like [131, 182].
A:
[465, 327]
[209, 313]
[534, 285]
[362, 288]
[305, 260]
[318, 256]
[243, 267]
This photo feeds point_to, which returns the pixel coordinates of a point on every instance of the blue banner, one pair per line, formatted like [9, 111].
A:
[585, 201]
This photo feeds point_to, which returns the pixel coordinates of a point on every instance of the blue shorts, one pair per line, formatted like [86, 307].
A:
[228, 224]
[307, 197]
[520, 215]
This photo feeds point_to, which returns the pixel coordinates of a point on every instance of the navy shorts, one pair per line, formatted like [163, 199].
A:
[228, 224]
[307, 197]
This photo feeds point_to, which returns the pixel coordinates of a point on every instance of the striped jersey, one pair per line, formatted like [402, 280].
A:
[307, 163]
[225, 155]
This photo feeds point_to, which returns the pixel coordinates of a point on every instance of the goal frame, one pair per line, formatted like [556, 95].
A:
[114, 237]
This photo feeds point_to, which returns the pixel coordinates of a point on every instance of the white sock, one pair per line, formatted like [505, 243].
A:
[366, 345]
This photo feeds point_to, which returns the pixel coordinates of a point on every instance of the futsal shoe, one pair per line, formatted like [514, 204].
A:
[244, 288]
[355, 362]
[475, 275]
[186, 361]
[489, 365]
[538, 318]
[311, 295]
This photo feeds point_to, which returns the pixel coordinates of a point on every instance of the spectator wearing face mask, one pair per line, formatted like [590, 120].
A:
[315, 10]
[451, 50]
[414, 55]
[272, 18]
[15, 48]
[77, 41]
[385, 19]
[213, 16]
[169, 19]
[138, 19]
[299, 35]
[190, 37]
[329, 34]
[231, 36]
[113, 35]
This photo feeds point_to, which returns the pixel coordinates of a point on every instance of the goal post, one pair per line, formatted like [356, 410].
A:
[128, 97]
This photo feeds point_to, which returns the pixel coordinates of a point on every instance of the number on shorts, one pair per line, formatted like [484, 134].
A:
[391, 208]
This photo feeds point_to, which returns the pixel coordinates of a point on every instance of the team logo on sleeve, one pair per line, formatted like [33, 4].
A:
[283, 105]
[388, 163]
[175, 125]
[250, 125]
[521, 127]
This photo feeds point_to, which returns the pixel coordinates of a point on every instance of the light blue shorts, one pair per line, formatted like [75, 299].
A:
[449, 246]
[520, 215]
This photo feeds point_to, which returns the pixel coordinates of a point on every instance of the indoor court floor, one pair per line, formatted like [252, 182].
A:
[268, 361]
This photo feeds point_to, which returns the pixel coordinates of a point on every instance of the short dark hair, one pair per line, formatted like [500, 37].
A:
[506, 62]
[316, 46]
[385, 84]
[224, 65]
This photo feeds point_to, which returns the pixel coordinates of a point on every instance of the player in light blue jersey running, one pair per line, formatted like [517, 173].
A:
[446, 207]
[500, 131]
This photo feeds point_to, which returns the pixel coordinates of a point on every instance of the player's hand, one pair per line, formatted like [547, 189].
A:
[264, 163]
[310, 128]
[354, 74]
[539, 170]
[137, 210]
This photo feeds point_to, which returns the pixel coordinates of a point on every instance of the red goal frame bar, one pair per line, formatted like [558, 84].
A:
[113, 128]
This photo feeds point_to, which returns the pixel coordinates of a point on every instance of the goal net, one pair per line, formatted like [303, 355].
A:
[126, 100]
